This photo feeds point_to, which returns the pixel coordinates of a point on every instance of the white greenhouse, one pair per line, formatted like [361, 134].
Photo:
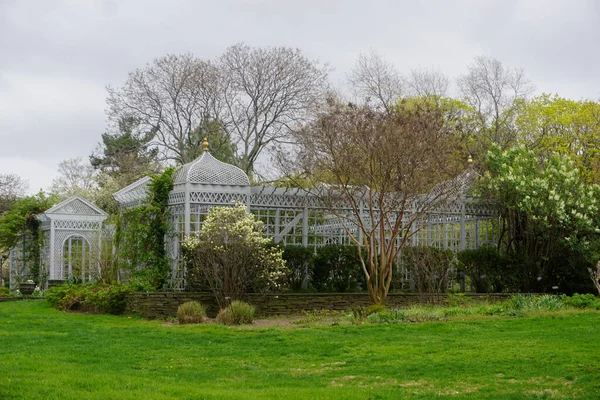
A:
[76, 241]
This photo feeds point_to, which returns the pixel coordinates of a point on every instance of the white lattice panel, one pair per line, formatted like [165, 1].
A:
[77, 225]
[176, 198]
[217, 198]
[75, 207]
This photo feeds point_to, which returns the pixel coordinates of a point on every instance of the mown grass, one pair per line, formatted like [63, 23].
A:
[48, 354]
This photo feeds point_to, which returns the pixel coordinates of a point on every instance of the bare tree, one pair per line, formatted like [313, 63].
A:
[76, 177]
[494, 92]
[427, 82]
[176, 97]
[12, 187]
[268, 94]
[374, 80]
[380, 174]
[252, 98]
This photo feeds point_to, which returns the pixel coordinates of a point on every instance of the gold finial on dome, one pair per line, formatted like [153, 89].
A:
[205, 144]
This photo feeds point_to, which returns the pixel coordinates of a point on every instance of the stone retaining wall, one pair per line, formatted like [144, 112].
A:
[164, 304]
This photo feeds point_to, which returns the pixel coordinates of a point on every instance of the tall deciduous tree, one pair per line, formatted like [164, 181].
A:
[427, 82]
[379, 165]
[268, 93]
[173, 97]
[375, 81]
[495, 93]
[246, 101]
[551, 124]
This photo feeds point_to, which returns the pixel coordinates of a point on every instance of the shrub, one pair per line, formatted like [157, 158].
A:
[231, 256]
[519, 305]
[300, 261]
[66, 297]
[108, 298]
[422, 313]
[581, 301]
[4, 292]
[191, 312]
[338, 269]
[95, 297]
[430, 268]
[236, 313]
[546, 302]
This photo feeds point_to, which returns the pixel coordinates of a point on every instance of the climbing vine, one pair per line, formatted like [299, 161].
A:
[141, 231]
[19, 227]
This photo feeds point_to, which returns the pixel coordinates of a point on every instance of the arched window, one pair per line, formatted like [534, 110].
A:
[76, 259]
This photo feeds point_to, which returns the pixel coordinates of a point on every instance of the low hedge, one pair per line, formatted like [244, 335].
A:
[96, 297]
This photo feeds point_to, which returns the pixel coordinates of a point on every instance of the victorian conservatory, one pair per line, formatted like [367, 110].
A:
[76, 239]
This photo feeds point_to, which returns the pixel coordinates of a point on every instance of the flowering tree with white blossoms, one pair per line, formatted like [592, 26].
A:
[548, 211]
[231, 256]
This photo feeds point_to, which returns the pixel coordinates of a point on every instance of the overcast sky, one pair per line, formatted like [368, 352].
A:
[57, 57]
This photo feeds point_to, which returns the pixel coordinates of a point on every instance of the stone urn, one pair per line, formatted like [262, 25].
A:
[26, 289]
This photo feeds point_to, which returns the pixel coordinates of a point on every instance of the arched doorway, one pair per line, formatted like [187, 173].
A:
[76, 259]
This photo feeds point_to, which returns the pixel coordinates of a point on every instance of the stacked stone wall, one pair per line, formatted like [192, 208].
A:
[164, 304]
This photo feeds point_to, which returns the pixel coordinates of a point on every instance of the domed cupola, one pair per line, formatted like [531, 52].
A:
[207, 170]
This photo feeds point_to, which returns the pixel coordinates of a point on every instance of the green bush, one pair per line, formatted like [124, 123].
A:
[236, 313]
[518, 305]
[108, 298]
[489, 271]
[4, 292]
[431, 269]
[300, 261]
[581, 301]
[95, 297]
[191, 312]
[66, 297]
[337, 269]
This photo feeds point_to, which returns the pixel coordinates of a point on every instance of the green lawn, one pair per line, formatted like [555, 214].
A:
[47, 354]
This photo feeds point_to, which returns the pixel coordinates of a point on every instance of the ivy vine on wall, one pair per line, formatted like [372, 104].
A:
[141, 232]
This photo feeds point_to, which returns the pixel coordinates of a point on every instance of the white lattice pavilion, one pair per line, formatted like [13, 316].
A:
[72, 233]
[73, 230]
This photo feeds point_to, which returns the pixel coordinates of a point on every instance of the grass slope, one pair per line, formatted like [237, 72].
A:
[47, 354]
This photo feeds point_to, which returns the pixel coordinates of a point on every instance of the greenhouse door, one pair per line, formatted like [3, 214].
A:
[76, 251]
